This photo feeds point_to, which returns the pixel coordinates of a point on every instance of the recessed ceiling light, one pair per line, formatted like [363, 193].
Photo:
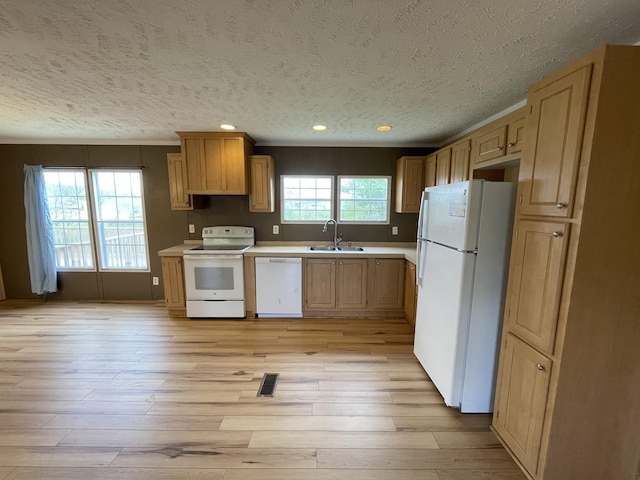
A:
[384, 128]
[319, 128]
[227, 126]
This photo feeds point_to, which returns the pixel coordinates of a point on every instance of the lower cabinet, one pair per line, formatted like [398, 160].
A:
[410, 292]
[173, 282]
[388, 286]
[522, 394]
[353, 287]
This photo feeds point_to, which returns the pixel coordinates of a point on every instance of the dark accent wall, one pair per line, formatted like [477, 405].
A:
[166, 227]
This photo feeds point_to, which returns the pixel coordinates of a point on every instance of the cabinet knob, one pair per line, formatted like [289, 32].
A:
[512, 145]
[557, 234]
[540, 367]
[560, 206]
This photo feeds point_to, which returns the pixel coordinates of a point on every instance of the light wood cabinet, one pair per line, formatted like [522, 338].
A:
[262, 195]
[217, 163]
[178, 196]
[515, 135]
[443, 166]
[555, 129]
[173, 283]
[538, 259]
[351, 283]
[409, 181]
[319, 284]
[524, 385]
[410, 292]
[430, 171]
[460, 154]
[568, 394]
[388, 286]
[491, 143]
[353, 287]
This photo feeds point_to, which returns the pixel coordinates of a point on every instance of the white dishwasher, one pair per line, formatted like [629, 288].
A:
[278, 287]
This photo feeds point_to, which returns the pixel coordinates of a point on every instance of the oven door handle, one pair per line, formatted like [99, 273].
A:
[204, 257]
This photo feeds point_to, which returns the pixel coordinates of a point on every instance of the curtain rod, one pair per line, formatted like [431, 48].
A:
[96, 168]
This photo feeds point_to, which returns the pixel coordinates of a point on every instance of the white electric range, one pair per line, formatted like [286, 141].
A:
[213, 272]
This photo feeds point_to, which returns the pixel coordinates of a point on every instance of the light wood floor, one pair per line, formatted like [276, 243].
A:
[122, 391]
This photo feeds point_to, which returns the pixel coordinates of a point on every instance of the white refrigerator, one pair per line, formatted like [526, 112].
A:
[464, 239]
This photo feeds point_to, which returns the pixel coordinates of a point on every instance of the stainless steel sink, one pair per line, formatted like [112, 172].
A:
[324, 248]
[331, 248]
[351, 249]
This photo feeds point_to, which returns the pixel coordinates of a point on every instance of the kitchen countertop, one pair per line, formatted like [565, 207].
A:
[283, 249]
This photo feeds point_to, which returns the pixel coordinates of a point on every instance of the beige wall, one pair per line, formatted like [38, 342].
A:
[166, 227]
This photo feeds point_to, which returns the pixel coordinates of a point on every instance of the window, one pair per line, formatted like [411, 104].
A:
[306, 199]
[67, 198]
[109, 221]
[120, 219]
[363, 199]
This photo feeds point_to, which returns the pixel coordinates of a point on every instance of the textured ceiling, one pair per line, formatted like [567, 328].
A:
[136, 71]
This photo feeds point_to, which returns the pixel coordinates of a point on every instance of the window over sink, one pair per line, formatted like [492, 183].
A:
[355, 199]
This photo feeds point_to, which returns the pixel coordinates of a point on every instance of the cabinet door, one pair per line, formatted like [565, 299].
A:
[261, 198]
[410, 292]
[460, 153]
[352, 283]
[388, 288]
[193, 152]
[539, 251]
[409, 180]
[178, 196]
[443, 166]
[235, 172]
[554, 129]
[214, 167]
[522, 399]
[173, 282]
[515, 136]
[430, 171]
[491, 144]
[320, 283]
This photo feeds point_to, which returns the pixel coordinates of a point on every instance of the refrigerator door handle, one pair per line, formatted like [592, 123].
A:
[421, 215]
[419, 249]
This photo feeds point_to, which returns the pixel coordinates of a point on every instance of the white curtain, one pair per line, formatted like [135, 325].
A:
[40, 245]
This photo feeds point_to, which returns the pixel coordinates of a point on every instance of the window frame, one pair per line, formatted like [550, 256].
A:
[387, 220]
[307, 222]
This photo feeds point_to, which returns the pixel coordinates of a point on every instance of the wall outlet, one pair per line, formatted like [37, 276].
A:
[192, 228]
[156, 280]
[276, 229]
[394, 230]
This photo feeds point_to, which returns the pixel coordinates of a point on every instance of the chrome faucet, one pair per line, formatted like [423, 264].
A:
[336, 238]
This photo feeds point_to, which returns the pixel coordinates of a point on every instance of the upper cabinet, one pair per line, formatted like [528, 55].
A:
[555, 122]
[460, 154]
[500, 141]
[409, 181]
[180, 199]
[491, 143]
[262, 196]
[217, 163]
[443, 166]
[430, 171]
[515, 135]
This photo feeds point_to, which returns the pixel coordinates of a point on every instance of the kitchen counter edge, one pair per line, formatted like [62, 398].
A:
[408, 253]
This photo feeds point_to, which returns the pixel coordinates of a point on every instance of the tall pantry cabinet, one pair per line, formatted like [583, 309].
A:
[568, 392]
